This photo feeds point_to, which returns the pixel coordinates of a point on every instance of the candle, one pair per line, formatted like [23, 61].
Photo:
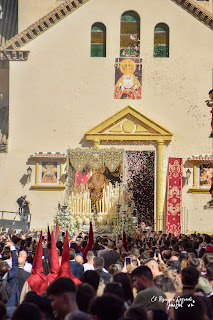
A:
[103, 204]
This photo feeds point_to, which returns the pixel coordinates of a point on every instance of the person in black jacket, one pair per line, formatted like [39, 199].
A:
[111, 256]
[22, 274]
[98, 266]
[11, 279]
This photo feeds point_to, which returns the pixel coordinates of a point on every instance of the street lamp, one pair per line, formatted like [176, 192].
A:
[188, 173]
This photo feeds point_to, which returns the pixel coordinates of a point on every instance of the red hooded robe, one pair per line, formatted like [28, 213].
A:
[37, 280]
[89, 243]
[54, 267]
[65, 263]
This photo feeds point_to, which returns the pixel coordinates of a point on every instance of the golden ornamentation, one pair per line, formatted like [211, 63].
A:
[128, 126]
[140, 129]
[127, 66]
[116, 128]
[96, 158]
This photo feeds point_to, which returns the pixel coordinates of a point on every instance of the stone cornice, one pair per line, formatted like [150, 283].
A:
[197, 11]
[14, 55]
[43, 24]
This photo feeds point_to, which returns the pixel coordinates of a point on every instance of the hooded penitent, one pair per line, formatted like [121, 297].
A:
[65, 263]
[90, 242]
[48, 234]
[54, 267]
[37, 280]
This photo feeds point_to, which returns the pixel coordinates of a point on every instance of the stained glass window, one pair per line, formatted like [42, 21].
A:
[161, 40]
[98, 40]
[130, 35]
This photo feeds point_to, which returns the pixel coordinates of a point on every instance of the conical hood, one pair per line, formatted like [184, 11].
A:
[57, 230]
[54, 267]
[89, 243]
[65, 259]
[48, 234]
[37, 280]
[37, 263]
[65, 262]
[91, 232]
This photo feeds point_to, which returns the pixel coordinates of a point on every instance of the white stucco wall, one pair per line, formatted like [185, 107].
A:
[61, 92]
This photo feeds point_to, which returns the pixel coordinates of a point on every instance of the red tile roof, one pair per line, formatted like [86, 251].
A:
[48, 155]
[201, 158]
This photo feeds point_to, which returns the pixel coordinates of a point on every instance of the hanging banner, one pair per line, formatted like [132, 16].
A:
[174, 196]
[128, 77]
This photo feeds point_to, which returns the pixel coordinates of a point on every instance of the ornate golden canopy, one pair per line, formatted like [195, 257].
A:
[95, 158]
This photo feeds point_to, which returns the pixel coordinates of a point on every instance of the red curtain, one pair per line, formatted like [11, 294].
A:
[174, 196]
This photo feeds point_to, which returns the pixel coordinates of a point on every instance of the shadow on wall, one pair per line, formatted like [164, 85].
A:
[24, 180]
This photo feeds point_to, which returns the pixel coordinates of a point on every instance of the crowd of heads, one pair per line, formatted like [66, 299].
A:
[152, 276]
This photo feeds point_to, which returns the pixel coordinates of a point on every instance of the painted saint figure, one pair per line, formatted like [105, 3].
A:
[128, 86]
[210, 104]
[205, 175]
[49, 173]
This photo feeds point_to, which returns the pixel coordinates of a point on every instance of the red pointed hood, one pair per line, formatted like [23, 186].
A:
[65, 262]
[57, 230]
[54, 267]
[37, 280]
[89, 243]
[37, 263]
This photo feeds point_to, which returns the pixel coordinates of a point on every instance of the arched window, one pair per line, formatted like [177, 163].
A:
[98, 40]
[130, 35]
[161, 40]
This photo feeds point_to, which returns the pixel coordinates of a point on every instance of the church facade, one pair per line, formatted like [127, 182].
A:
[109, 74]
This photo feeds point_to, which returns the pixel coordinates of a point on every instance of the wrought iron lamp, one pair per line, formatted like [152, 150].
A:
[188, 173]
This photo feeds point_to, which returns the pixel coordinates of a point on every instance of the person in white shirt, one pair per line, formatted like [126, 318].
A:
[27, 266]
[89, 265]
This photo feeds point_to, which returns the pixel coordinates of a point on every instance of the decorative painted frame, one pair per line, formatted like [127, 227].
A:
[55, 159]
[199, 163]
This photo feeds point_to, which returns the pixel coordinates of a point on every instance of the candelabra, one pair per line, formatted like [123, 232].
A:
[123, 216]
[63, 214]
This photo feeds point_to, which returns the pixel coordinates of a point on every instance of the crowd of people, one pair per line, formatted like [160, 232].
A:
[153, 276]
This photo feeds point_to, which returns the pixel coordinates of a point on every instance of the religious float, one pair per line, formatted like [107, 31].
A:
[97, 191]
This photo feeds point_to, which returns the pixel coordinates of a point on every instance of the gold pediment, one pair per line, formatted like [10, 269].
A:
[130, 125]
